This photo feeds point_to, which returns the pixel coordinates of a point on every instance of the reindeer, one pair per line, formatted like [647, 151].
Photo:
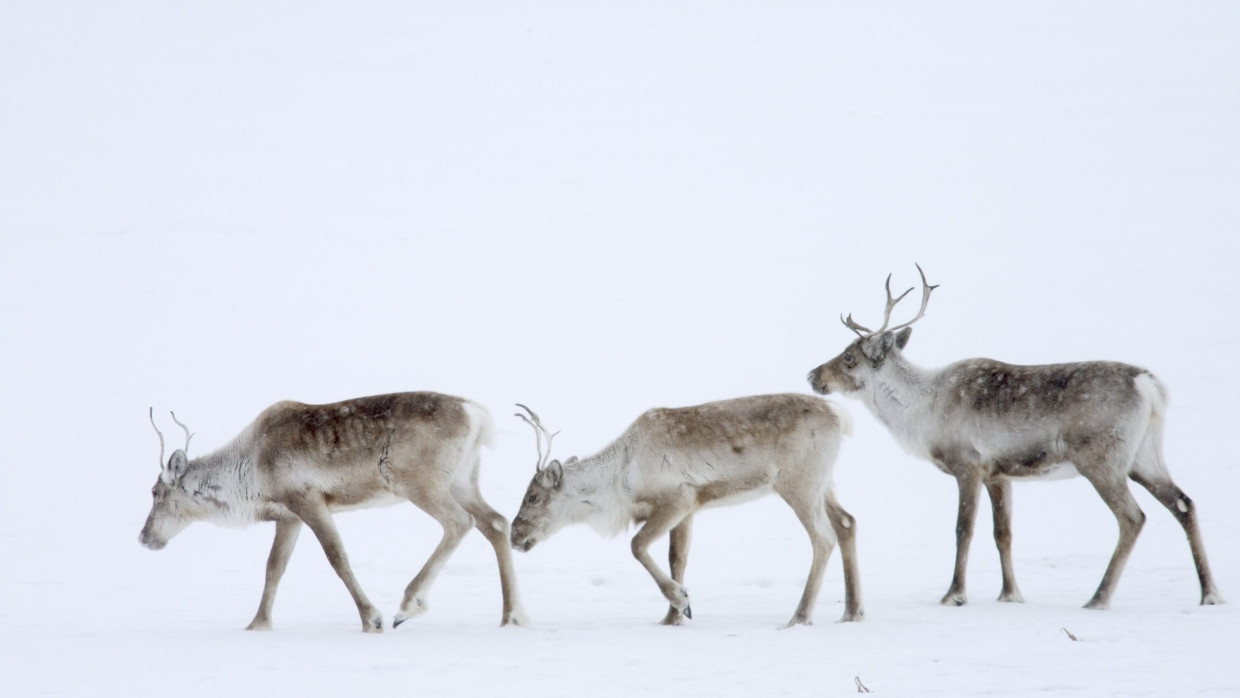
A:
[986, 422]
[672, 462]
[300, 463]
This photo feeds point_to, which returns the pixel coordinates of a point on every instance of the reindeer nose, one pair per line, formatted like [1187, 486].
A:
[812, 378]
[148, 541]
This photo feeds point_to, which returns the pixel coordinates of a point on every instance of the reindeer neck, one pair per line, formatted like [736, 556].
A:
[600, 480]
[226, 480]
[899, 394]
[605, 470]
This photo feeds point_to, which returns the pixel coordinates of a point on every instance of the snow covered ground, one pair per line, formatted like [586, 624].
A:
[595, 208]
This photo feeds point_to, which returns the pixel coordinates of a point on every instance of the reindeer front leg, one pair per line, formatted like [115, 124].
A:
[663, 519]
[281, 548]
[1000, 491]
[967, 479]
[678, 558]
[313, 510]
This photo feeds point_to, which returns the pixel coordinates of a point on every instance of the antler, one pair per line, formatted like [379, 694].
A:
[151, 414]
[188, 435]
[864, 332]
[926, 288]
[539, 432]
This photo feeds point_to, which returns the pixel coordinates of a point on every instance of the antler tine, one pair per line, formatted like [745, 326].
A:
[151, 414]
[188, 435]
[537, 439]
[863, 331]
[926, 289]
[891, 304]
[539, 432]
[852, 325]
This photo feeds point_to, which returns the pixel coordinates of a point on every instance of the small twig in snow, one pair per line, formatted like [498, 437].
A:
[860, 686]
[1070, 635]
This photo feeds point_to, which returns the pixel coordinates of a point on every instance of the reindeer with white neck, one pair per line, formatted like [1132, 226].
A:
[672, 462]
[986, 423]
[298, 463]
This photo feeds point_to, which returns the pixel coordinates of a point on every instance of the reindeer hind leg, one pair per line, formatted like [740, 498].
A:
[845, 527]
[494, 528]
[456, 522]
[811, 512]
[1182, 508]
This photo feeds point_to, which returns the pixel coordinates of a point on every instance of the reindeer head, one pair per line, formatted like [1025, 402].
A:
[850, 371]
[174, 507]
[547, 507]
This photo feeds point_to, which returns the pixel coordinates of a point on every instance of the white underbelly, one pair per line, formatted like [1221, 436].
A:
[1054, 471]
[740, 498]
[385, 499]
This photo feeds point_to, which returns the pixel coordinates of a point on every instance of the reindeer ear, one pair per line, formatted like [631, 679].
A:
[176, 467]
[902, 337]
[554, 474]
[549, 474]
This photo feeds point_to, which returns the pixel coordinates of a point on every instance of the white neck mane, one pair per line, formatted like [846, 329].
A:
[601, 480]
[226, 480]
[900, 395]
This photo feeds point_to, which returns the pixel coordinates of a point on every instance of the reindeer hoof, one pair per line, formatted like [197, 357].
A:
[852, 617]
[688, 613]
[517, 618]
[411, 608]
[1213, 599]
[953, 598]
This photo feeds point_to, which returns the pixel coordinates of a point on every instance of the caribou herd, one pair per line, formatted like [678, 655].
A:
[981, 421]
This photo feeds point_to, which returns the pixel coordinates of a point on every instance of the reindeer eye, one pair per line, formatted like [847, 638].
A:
[532, 499]
[849, 359]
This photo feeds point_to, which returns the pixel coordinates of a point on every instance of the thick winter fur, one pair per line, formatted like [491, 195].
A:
[299, 463]
[987, 422]
[671, 462]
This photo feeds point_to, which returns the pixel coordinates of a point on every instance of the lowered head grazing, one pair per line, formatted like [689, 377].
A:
[670, 463]
[544, 509]
[296, 464]
[174, 507]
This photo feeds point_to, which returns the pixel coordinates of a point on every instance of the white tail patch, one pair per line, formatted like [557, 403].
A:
[846, 420]
[480, 418]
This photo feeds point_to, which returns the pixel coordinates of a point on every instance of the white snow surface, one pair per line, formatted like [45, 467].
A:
[596, 208]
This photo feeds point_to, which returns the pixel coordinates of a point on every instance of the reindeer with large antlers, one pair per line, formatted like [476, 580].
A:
[986, 423]
[298, 463]
[672, 462]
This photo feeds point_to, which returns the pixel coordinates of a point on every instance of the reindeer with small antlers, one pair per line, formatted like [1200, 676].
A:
[987, 423]
[672, 462]
[298, 463]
